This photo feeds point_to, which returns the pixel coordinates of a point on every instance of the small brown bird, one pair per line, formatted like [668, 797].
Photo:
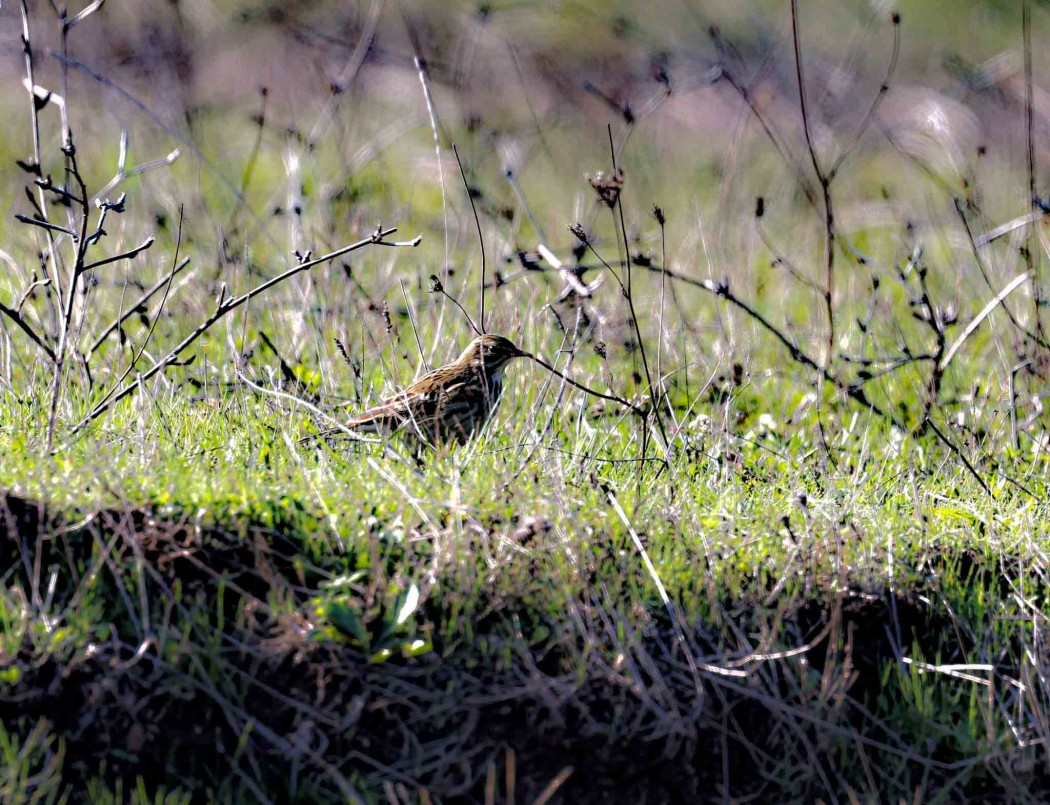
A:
[448, 404]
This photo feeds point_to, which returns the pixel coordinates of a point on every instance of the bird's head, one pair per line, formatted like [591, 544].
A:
[492, 352]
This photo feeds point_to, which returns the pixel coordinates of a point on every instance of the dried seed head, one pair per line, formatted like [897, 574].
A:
[607, 187]
[435, 284]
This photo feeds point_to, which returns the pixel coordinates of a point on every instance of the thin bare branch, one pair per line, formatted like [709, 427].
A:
[134, 307]
[948, 443]
[224, 307]
[825, 190]
[25, 327]
[873, 110]
[71, 292]
[25, 219]
[1030, 250]
[571, 382]
[146, 244]
[481, 237]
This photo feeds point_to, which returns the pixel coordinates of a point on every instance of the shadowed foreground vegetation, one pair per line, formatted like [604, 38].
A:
[802, 559]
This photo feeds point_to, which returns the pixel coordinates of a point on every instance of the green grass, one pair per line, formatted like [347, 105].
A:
[205, 596]
[495, 539]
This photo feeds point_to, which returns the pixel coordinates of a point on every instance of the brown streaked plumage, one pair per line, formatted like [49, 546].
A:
[448, 404]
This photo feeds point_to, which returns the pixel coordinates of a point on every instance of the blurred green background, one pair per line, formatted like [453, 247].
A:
[531, 85]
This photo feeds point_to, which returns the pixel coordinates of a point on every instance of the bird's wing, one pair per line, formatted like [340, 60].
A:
[388, 413]
[417, 403]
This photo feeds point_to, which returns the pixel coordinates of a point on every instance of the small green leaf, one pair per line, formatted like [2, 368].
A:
[10, 676]
[415, 648]
[344, 580]
[380, 656]
[346, 621]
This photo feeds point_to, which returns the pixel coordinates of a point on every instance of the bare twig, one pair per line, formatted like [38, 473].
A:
[552, 787]
[873, 110]
[224, 307]
[767, 127]
[481, 238]
[71, 292]
[129, 254]
[932, 317]
[34, 117]
[25, 219]
[153, 324]
[437, 287]
[658, 213]
[415, 332]
[825, 190]
[571, 382]
[34, 112]
[722, 290]
[24, 326]
[134, 307]
[959, 453]
[1029, 252]
[653, 391]
[424, 80]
